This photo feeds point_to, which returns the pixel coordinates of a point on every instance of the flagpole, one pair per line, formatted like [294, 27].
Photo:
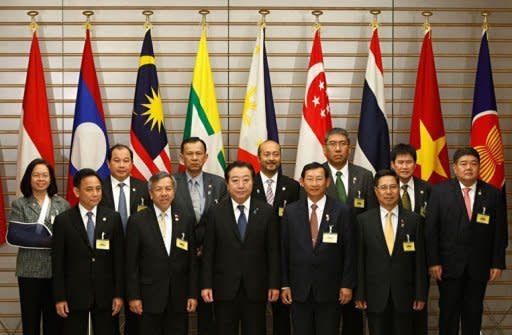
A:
[147, 23]
[88, 14]
[375, 23]
[263, 13]
[427, 14]
[33, 24]
[317, 14]
[204, 12]
[485, 24]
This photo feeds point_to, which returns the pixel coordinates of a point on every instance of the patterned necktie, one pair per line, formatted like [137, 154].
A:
[389, 234]
[196, 198]
[162, 224]
[340, 188]
[121, 207]
[270, 194]
[406, 200]
[90, 229]
[467, 201]
[313, 224]
[242, 222]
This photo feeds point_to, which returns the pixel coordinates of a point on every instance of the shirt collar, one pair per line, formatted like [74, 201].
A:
[344, 170]
[158, 211]
[264, 178]
[84, 211]
[246, 203]
[116, 182]
[198, 178]
[472, 187]
[320, 203]
[410, 184]
[384, 212]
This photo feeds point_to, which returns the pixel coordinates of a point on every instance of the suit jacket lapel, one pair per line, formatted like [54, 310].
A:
[78, 224]
[460, 199]
[479, 195]
[303, 215]
[233, 224]
[324, 223]
[155, 228]
[400, 231]
[183, 184]
[109, 194]
[280, 190]
[379, 232]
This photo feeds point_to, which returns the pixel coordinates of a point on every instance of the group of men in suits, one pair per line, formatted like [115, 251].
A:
[343, 243]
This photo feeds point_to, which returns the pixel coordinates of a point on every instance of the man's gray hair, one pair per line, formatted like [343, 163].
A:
[336, 131]
[159, 176]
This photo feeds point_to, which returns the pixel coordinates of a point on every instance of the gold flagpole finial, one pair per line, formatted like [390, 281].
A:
[204, 13]
[263, 13]
[147, 14]
[375, 23]
[33, 24]
[88, 14]
[427, 14]
[317, 14]
[485, 25]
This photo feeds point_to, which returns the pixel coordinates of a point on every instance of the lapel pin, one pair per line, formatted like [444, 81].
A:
[104, 219]
[216, 201]
[354, 180]
[327, 218]
[176, 217]
[255, 211]
[133, 189]
[479, 192]
[209, 185]
[209, 192]
[421, 191]
[183, 236]
[284, 188]
[401, 223]
[258, 190]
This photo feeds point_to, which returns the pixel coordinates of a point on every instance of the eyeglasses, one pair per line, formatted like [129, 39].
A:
[392, 187]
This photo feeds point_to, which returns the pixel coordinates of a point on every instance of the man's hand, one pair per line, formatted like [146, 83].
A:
[273, 295]
[62, 308]
[207, 295]
[136, 306]
[286, 296]
[117, 303]
[191, 305]
[436, 272]
[418, 305]
[361, 304]
[345, 295]
[495, 274]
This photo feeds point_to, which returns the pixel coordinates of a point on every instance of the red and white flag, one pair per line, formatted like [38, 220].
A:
[316, 114]
[35, 137]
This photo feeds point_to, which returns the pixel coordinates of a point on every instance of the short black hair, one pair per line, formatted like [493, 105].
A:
[313, 166]
[25, 184]
[403, 149]
[239, 164]
[193, 139]
[159, 176]
[384, 173]
[465, 151]
[336, 131]
[84, 173]
[119, 146]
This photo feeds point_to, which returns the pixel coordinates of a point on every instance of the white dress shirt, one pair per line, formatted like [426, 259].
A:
[168, 227]
[319, 210]
[116, 190]
[344, 176]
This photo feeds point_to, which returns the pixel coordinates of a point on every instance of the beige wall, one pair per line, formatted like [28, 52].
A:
[117, 37]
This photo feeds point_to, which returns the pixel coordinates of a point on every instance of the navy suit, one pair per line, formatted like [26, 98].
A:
[315, 275]
[466, 249]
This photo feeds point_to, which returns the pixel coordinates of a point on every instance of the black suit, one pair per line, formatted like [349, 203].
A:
[421, 195]
[316, 275]
[390, 284]
[241, 271]
[360, 185]
[287, 191]
[163, 282]
[214, 189]
[138, 197]
[88, 278]
[466, 250]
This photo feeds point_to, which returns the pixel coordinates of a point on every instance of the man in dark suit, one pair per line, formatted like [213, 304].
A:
[414, 194]
[198, 191]
[126, 195]
[317, 253]
[88, 260]
[466, 235]
[277, 190]
[391, 266]
[352, 185]
[241, 256]
[161, 270]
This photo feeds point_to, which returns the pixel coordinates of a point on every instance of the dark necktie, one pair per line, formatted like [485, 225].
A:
[121, 207]
[90, 229]
[340, 188]
[406, 199]
[313, 224]
[242, 221]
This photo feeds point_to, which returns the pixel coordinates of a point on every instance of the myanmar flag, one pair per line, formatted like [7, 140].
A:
[202, 114]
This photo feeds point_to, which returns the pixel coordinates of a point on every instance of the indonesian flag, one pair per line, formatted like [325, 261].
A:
[35, 137]
[427, 130]
[258, 118]
[316, 115]
[485, 126]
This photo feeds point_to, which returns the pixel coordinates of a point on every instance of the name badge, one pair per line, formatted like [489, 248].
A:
[358, 202]
[141, 206]
[182, 243]
[423, 212]
[408, 244]
[102, 244]
[482, 217]
[280, 211]
[330, 238]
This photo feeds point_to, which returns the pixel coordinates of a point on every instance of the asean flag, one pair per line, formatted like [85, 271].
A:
[89, 141]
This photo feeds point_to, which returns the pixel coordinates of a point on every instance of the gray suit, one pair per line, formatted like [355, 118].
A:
[35, 263]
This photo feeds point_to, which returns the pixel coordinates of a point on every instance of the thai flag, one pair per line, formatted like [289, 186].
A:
[372, 147]
[89, 141]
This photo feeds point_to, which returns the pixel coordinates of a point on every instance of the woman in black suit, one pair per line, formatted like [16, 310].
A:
[39, 203]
